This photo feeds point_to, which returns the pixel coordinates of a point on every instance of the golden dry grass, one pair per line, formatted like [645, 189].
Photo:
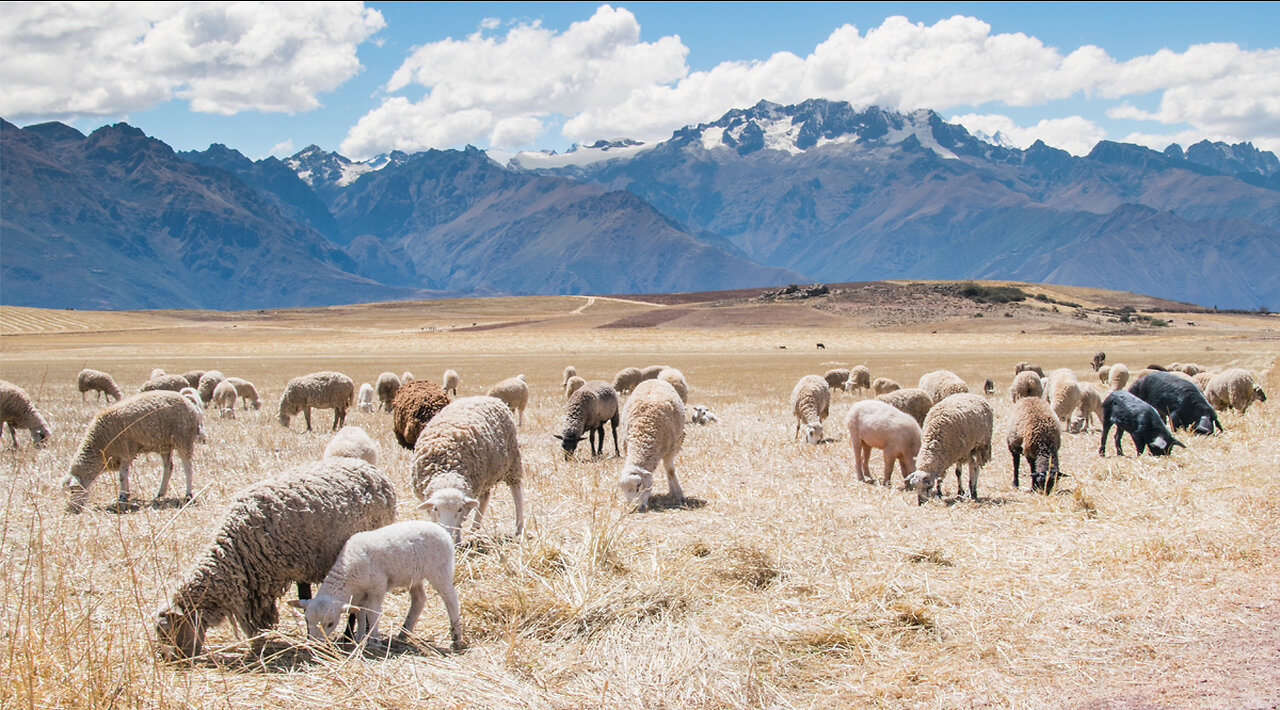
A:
[782, 583]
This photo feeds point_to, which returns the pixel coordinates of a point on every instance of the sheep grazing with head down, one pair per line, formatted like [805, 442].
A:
[99, 382]
[860, 379]
[387, 386]
[208, 382]
[626, 379]
[957, 431]
[1233, 389]
[365, 397]
[1063, 393]
[587, 411]
[1202, 381]
[461, 454]
[912, 400]
[573, 385]
[288, 528]
[514, 391]
[415, 404]
[449, 382]
[651, 372]
[19, 412]
[193, 396]
[167, 383]
[675, 378]
[1104, 373]
[1090, 407]
[873, 424]
[224, 399]
[1176, 396]
[836, 378]
[1130, 414]
[653, 430]
[1118, 377]
[1025, 366]
[570, 372]
[1025, 384]
[319, 390]
[352, 442]
[406, 377]
[1099, 359]
[193, 378]
[884, 385]
[810, 403]
[246, 391]
[1034, 433]
[941, 384]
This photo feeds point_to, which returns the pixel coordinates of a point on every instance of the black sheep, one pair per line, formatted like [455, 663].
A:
[1177, 399]
[1129, 413]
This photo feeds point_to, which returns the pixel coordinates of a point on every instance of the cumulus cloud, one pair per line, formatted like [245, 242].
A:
[67, 60]
[1075, 134]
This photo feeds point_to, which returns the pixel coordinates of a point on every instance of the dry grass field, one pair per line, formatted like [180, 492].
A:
[1141, 583]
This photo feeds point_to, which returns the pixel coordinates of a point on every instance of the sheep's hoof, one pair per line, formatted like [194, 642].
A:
[122, 498]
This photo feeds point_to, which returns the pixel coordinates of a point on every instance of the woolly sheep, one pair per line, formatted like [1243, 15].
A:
[159, 422]
[884, 385]
[365, 398]
[321, 390]
[837, 378]
[1130, 414]
[406, 377]
[461, 454]
[941, 384]
[352, 442]
[208, 381]
[1233, 388]
[224, 398]
[702, 415]
[572, 385]
[1025, 384]
[193, 396]
[586, 413]
[570, 372]
[167, 383]
[193, 378]
[1104, 373]
[1025, 366]
[1176, 397]
[912, 400]
[18, 411]
[415, 404]
[1098, 360]
[957, 430]
[398, 556]
[246, 391]
[1063, 393]
[653, 430]
[1033, 432]
[387, 386]
[1202, 381]
[99, 382]
[1090, 407]
[675, 378]
[875, 424]
[651, 372]
[286, 528]
[449, 382]
[860, 379]
[810, 403]
[1118, 378]
[626, 379]
[515, 392]
[156, 372]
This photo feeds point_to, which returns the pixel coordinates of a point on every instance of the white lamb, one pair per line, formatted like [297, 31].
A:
[224, 399]
[365, 399]
[879, 425]
[514, 391]
[1063, 393]
[449, 382]
[352, 442]
[810, 403]
[653, 430]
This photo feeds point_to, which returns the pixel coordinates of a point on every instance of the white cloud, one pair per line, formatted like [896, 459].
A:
[1075, 134]
[282, 149]
[66, 60]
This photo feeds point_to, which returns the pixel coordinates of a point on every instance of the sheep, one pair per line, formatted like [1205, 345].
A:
[675, 378]
[406, 377]
[653, 430]
[167, 383]
[572, 385]
[193, 378]
[387, 386]
[810, 403]
[156, 372]
[837, 378]
[1202, 381]
[193, 396]
[208, 381]
[159, 422]
[1130, 414]
[957, 430]
[1178, 399]
[875, 424]
[1090, 406]
[1104, 373]
[99, 382]
[586, 412]
[912, 400]
[321, 390]
[988, 387]
[461, 454]
[1063, 393]
[286, 528]
[1118, 378]
[224, 398]
[352, 442]
[884, 385]
[651, 372]
[570, 372]
[246, 391]
[860, 379]
[515, 392]
[18, 411]
[941, 384]
[626, 379]
[449, 382]
[1233, 388]
[1187, 368]
[398, 556]
[365, 398]
[415, 404]
[1099, 358]
[1033, 432]
[702, 415]
[1025, 366]
[1025, 384]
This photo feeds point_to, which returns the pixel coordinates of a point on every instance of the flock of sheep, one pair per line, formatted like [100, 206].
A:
[332, 522]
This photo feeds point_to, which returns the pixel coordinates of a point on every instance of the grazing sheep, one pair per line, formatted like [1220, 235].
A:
[811, 403]
[167, 383]
[514, 391]
[1025, 384]
[17, 410]
[156, 372]
[1202, 381]
[321, 390]
[287, 528]
[957, 430]
[193, 378]
[912, 400]
[464, 451]
[988, 387]
[415, 404]
[586, 413]
[449, 382]
[1063, 393]
[1233, 388]
[1104, 373]
[224, 398]
[675, 378]
[1187, 368]
[653, 430]
[365, 398]
[860, 379]
[884, 385]
[702, 415]
[406, 377]
[1140, 419]
[573, 385]
[193, 396]
[246, 391]
[651, 372]
[398, 556]
[1176, 397]
[208, 381]
[570, 372]
[387, 386]
[837, 378]
[1025, 366]
[941, 384]
[100, 382]
[875, 424]
[626, 379]
[352, 442]
[1099, 358]
[1033, 432]
[1118, 378]
[1090, 406]
[159, 422]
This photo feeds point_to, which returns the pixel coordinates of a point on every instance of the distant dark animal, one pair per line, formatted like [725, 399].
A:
[1130, 414]
[1099, 359]
[1177, 399]
[589, 408]
[821, 346]
[988, 387]
[1154, 366]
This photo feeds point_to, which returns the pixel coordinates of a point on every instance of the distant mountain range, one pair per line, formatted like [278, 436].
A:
[763, 196]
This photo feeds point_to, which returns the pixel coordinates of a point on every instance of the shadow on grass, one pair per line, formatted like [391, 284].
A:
[667, 501]
[122, 507]
[280, 655]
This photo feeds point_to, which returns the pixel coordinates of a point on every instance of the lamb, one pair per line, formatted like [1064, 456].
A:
[702, 415]
[912, 400]
[653, 427]
[675, 378]
[884, 385]
[1025, 366]
[224, 398]
[246, 391]
[1033, 432]
[573, 385]
[941, 384]
[399, 556]
[449, 382]
[1090, 406]
[321, 390]
[860, 379]
[365, 398]
[626, 379]
[586, 412]
[193, 378]
[1025, 384]
[811, 403]
[1104, 373]
[415, 404]
[515, 392]
[159, 422]
[1233, 388]
[1099, 358]
[166, 383]
[100, 382]
[1119, 377]
[837, 378]
[1130, 414]
[1064, 393]
[876, 424]
[352, 442]
[1178, 399]
[464, 451]
[570, 372]
[286, 528]
[957, 430]
[387, 386]
[18, 411]
[208, 381]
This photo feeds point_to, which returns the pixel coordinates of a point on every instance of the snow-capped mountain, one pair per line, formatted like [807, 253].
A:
[322, 169]
[577, 156]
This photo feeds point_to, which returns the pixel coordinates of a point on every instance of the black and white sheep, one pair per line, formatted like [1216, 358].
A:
[1130, 414]
[585, 414]
[319, 390]
[19, 412]
[1177, 398]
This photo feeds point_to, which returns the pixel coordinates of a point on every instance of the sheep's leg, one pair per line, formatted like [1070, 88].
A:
[189, 471]
[1119, 433]
[888, 468]
[306, 412]
[13, 433]
[372, 615]
[596, 450]
[339, 418]
[417, 600]
[796, 436]
[614, 423]
[124, 480]
[449, 594]
[484, 505]
[974, 470]
[673, 483]
[1017, 459]
[166, 459]
[304, 591]
[520, 423]
[517, 495]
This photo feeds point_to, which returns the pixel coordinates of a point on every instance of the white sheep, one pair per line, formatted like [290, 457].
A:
[193, 396]
[573, 384]
[1118, 377]
[651, 372]
[352, 442]
[1090, 407]
[99, 382]
[366, 398]
[884, 385]
[224, 399]
[837, 378]
[208, 382]
[810, 403]
[957, 430]
[1104, 374]
[941, 384]
[912, 400]
[169, 383]
[514, 391]
[702, 415]
[1202, 380]
[321, 390]
[193, 378]
[246, 391]
[387, 386]
[570, 372]
[406, 377]
[1033, 432]
[1025, 384]
[1063, 393]
[860, 379]
[460, 455]
[626, 379]
[156, 372]
[398, 556]
[875, 424]
[19, 412]
[653, 430]
[449, 382]
[1233, 388]
[675, 378]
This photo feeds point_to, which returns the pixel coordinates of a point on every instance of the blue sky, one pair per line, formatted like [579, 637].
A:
[366, 78]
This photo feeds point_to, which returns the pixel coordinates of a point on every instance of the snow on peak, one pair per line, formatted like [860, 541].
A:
[577, 156]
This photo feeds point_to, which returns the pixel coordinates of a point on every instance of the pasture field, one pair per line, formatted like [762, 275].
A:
[1141, 582]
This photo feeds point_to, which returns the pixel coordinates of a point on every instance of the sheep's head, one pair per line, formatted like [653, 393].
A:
[635, 484]
[1162, 446]
[1044, 473]
[323, 615]
[569, 441]
[1077, 425]
[923, 482]
[180, 633]
[39, 433]
[1204, 426]
[449, 507]
[1258, 394]
[812, 433]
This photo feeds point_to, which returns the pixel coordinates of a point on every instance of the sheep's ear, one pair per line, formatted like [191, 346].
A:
[299, 603]
[427, 506]
[470, 505]
[1175, 442]
[561, 438]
